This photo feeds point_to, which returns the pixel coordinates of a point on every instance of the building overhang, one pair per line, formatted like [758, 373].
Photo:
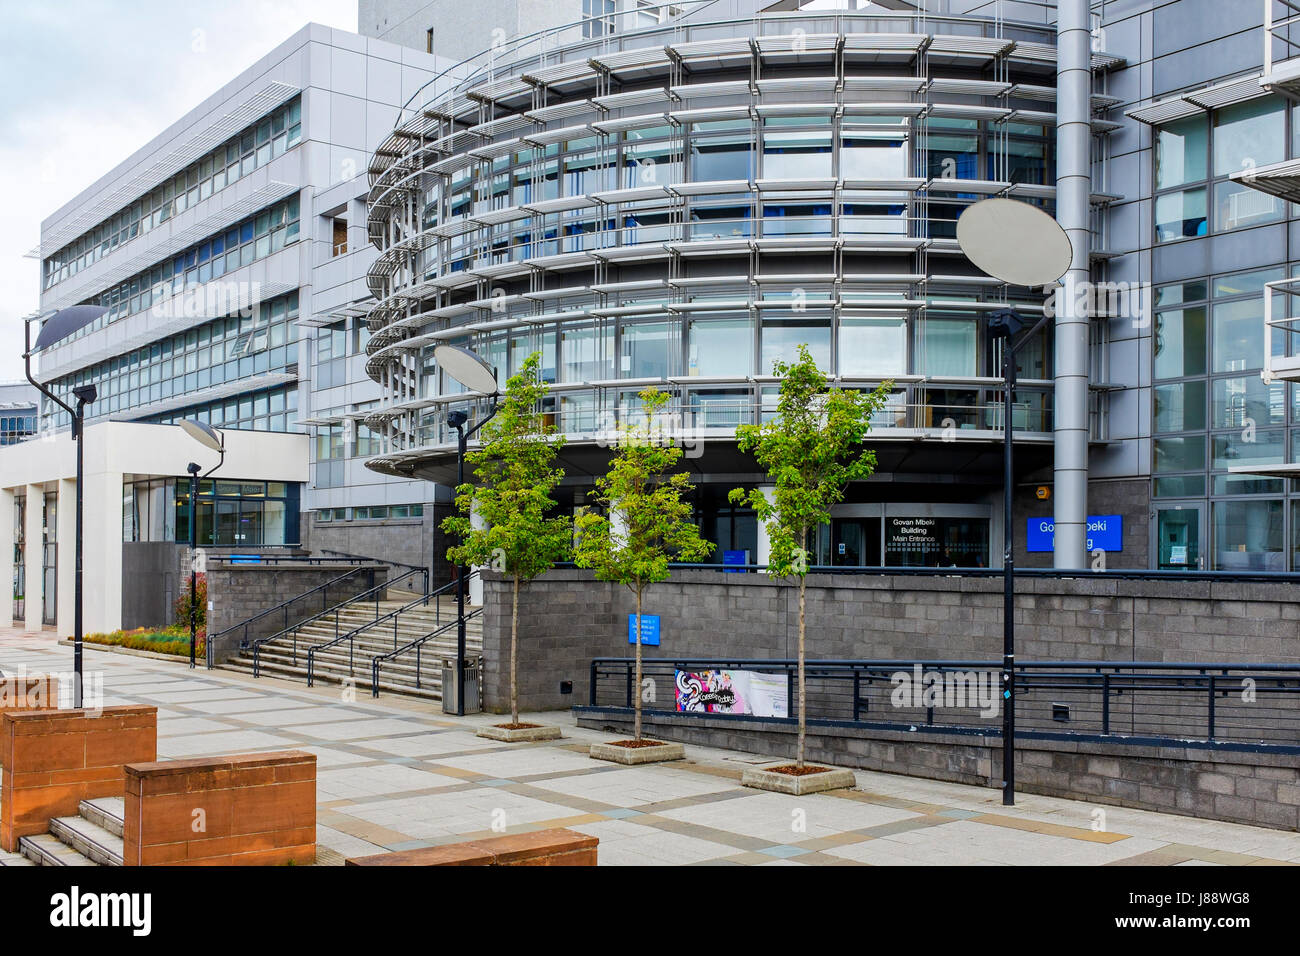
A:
[902, 456]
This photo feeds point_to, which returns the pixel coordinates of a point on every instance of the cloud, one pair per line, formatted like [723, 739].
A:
[88, 82]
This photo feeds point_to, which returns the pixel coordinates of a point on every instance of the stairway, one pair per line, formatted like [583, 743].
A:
[93, 838]
[279, 658]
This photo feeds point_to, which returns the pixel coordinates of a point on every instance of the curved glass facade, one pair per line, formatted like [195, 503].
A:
[683, 206]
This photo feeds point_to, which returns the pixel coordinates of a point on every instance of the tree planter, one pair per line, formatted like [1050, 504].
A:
[825, 778]
[518, 735]
[649, 751]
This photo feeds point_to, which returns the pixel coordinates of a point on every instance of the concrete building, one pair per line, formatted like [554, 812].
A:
[18, 411]
[230, 253]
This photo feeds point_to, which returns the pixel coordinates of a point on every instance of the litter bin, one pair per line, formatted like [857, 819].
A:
[449, 685]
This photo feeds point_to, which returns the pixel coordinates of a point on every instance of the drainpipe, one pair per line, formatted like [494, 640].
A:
[1073, 186]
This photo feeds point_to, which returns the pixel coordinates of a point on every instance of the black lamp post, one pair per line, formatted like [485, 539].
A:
[1021, 245]
[209, 437]
[1004, 324]
[54, 327]
[472, 371]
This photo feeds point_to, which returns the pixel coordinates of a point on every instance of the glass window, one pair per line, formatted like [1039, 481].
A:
[1248, 135]
[1180, 407]
[1180, 454]
[946, 347]
[1248, 536]
[865, 156]
[873, 346]
[1246, 401]
[645, 350]
[803, 154]
[1180, 343]
[1238, 336]
[720, 347]
[1181, 214]
[1237, 206]
[782, 338]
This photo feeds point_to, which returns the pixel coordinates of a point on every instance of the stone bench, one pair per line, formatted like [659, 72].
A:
[54, 759]
[557, 847]
[246, 809]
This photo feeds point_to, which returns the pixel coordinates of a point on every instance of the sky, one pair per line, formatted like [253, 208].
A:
[88, 82]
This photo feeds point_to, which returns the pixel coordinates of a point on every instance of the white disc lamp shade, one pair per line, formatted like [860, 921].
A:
[1014, 241]
[467, 368]
[205, 435]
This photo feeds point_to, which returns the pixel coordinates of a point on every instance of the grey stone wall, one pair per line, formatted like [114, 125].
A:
[238, 592]
[151, 582]
[567, 618]
[1259, 789]
[1129, 498]
[412, 541]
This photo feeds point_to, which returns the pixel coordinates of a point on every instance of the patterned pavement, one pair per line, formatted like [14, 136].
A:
[396, 775]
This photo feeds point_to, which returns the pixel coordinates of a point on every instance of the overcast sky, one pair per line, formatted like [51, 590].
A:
[88, 82]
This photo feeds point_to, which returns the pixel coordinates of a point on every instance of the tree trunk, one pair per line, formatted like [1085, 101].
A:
[514, 656]
[636, 687]
[803, 697]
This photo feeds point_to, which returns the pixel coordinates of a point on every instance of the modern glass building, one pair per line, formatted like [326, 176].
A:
[682, 202]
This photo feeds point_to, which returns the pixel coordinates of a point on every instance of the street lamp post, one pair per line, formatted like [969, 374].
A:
[472, 371]
[1021, 245]
[54, 327]
[210, 438]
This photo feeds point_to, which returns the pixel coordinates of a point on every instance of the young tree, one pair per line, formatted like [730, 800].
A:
[811, 450]
[515, 467]
[647, 522]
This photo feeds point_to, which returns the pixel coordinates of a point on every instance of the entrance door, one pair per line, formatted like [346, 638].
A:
[855, 542]
[1179, 532]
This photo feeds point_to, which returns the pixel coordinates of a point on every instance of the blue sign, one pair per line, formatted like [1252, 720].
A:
[734, 557]
[649, 629]
[244, 559]
[1105, 533]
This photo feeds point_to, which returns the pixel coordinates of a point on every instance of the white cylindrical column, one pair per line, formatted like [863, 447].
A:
[1073, 190]
[7, 521]
[475, 590]
[33, 548]
[764, 552]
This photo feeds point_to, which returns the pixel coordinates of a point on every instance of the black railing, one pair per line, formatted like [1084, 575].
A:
[1114, 574]
[416, 645]
[373, 594]
[361, 557]
[299, 602]
[394, 616]
[1227, 705]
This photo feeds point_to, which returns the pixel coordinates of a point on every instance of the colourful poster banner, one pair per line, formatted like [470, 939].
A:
[733, 692]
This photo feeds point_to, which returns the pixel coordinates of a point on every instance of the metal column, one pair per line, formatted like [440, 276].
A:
[1073, 187]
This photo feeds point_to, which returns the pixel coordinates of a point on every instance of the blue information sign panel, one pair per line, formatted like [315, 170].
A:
[740, 558]
[649, 629]
[1105, 533]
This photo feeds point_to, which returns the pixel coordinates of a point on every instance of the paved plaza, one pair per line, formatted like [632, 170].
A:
[397, 775]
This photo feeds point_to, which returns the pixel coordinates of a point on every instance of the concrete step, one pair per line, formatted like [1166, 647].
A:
[105, 811]
[89, 839]
[14, 859]
[430, 690]
[335, 661]
[45, 849]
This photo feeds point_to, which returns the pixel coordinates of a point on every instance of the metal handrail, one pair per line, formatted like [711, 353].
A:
[362, 557]
[282, 608]
[1217, 683]
[351, 635]
[418, 644]
[365, 595]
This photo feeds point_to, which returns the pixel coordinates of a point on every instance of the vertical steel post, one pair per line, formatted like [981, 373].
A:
[1008, 580]
[1073, 190]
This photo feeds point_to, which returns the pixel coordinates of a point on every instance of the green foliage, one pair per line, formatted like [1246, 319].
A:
[811, 450]
[653, 523]
[182, 605]
[515, 468]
